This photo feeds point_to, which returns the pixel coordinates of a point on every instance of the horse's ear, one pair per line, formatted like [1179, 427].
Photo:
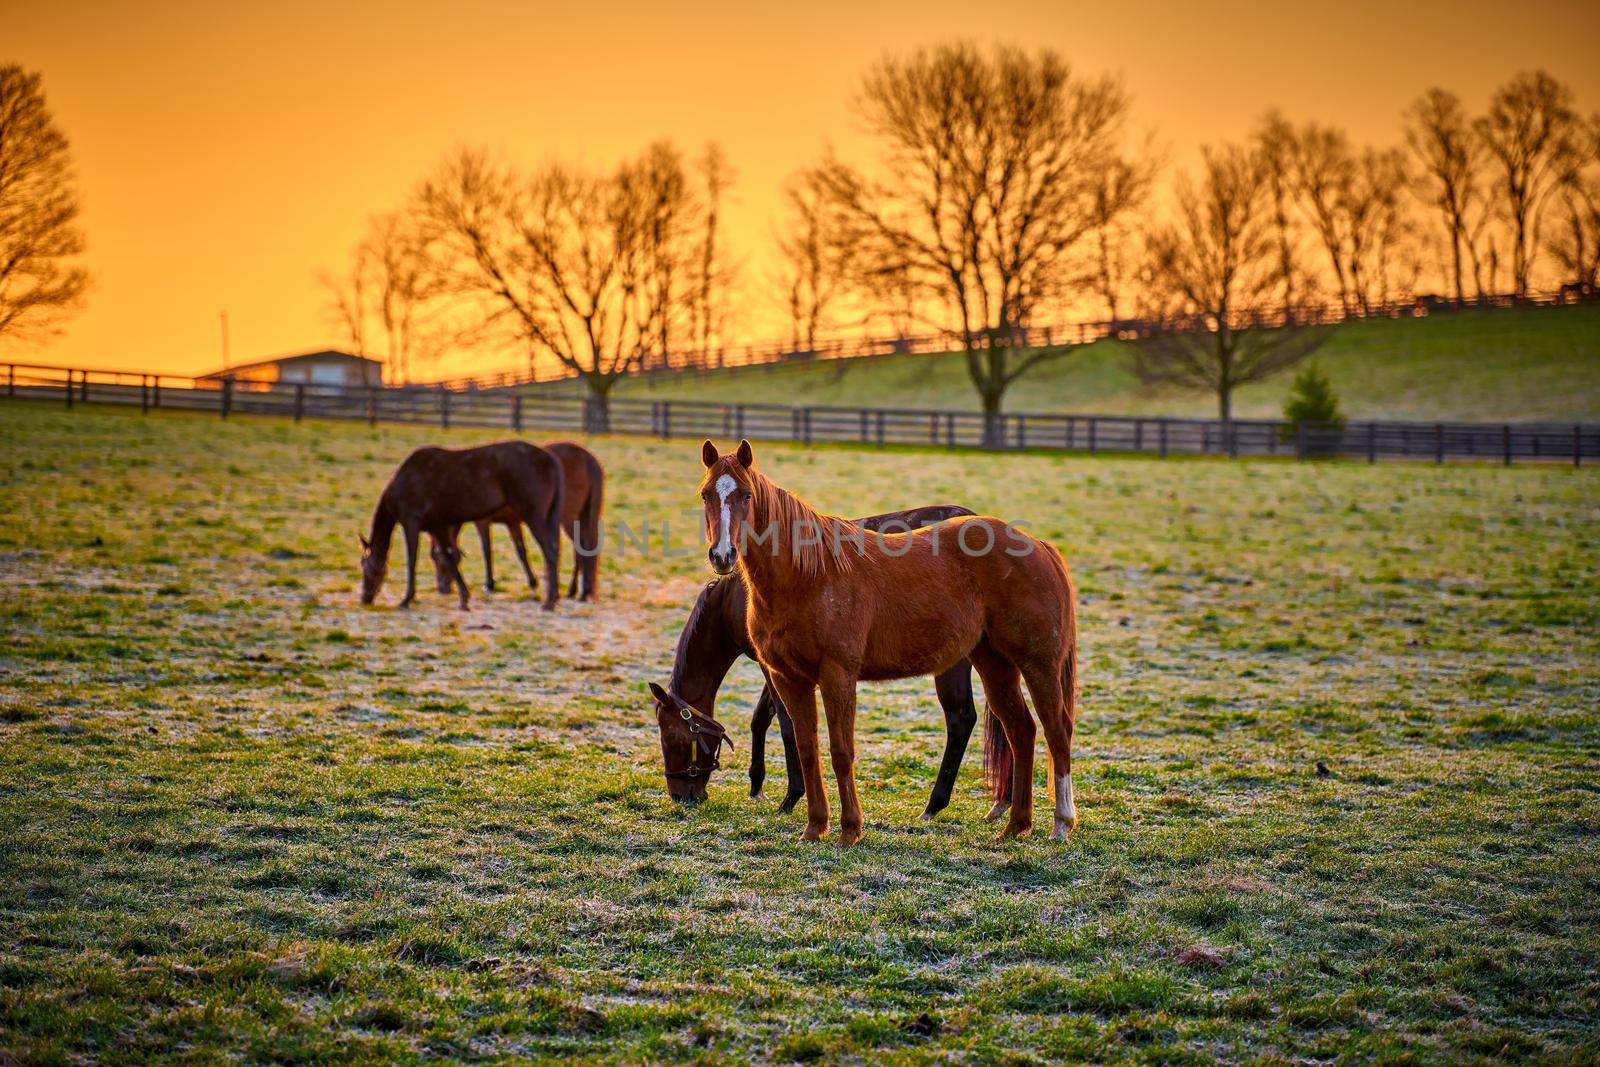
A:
[709, 454]
[660, 694]
[745, 455]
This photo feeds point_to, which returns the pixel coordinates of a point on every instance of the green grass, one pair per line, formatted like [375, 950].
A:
[242, 817]
[1497, 365]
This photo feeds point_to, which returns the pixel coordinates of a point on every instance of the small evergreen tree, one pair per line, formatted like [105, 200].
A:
[1312, 399]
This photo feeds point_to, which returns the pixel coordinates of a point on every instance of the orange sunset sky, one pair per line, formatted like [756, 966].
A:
[227, 152]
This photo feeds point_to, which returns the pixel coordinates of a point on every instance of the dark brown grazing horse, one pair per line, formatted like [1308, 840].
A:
[436, 490]
[580, 520]
[831, 604]
[716, 635]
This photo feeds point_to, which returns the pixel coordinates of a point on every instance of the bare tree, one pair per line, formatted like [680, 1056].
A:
[714, 273]
[1275, 144]
[983, 199]
[1121, 188]
[1529, 131]
[1325, 176]
[1439, 134]
[390, 305]
[1214, 278]
[38, 214]
[1575, 245]
[583, 267]
[1381, 267]
[814, 260]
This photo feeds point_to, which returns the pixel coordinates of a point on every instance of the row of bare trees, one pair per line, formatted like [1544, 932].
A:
[1004, 189]
[604, 271]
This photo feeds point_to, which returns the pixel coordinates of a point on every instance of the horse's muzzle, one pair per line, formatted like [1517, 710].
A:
[722, 563]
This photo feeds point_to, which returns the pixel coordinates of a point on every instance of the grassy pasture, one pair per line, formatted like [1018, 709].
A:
[243, 817]
[1539, 363]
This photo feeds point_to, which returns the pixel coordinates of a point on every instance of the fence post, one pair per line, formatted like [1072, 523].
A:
[144, 394]
[1231, 429]
[933, 428]
[83, 387]
[666, 419]
[1162, 434]
[299, 401]
[950, 429]
[1300, 440]
[155, 392]
[1577, 445]
[1094, 435]
[1505, 441]
[1022, 432]
[880, 428]
[70, 373]
[227, 396]
[1438, 442]
[444, 409]
[1071, 435]
[516, 413]
[1372, 442]
[11, 379]
[864, 432]
[805, 423]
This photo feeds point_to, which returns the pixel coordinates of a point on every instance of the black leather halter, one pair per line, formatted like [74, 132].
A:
[706, 737]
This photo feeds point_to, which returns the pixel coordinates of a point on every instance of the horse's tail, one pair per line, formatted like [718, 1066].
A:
[589, 528]
[997, 756]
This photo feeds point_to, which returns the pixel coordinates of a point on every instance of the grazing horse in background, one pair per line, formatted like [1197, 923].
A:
[580, 519]
[831, 604]
[716, 635]
[435, 490]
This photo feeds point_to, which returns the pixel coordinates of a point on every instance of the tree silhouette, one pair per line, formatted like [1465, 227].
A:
[38, 214]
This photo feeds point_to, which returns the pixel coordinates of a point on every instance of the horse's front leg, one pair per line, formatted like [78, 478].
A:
[839, 701]
[412, 534]
[760, 719]
[954, 687]
[799, 697]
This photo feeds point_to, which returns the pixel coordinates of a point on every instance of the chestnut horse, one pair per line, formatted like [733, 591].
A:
[715, 635]
[437, 489]
[580, 520]
[831, 604]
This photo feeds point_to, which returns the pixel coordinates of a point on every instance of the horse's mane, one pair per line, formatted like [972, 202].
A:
[690, 628]
[788, 511]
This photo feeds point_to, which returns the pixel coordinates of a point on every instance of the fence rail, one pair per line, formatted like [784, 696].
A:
[1438, 442]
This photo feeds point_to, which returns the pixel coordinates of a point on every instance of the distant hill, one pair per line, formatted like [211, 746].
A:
[1537, 363]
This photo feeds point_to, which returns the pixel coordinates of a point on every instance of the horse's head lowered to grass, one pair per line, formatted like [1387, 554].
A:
[691, 743]
[374, 564]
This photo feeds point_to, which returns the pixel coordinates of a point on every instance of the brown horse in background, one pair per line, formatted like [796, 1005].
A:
[831, 604]
[436, 490]
[580, 519]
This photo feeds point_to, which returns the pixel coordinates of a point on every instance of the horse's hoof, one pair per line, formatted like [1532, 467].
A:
[755, 792]
[848, 838]
[550, 606]
[814, 833]
[1016, 829]
[1063, 829]
[927, 816]
[999, 809]
[789, 802]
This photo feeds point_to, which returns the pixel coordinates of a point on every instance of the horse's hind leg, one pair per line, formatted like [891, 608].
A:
[521, 548]
[1045, 683]
[1003, 690]
[954, 688]
[488, 556]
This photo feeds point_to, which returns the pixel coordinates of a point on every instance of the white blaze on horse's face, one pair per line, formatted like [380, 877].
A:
[723, 555]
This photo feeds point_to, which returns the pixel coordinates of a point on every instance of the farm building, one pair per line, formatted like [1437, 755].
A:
[328, 367]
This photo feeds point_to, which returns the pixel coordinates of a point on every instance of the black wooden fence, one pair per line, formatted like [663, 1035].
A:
[1437, 442]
